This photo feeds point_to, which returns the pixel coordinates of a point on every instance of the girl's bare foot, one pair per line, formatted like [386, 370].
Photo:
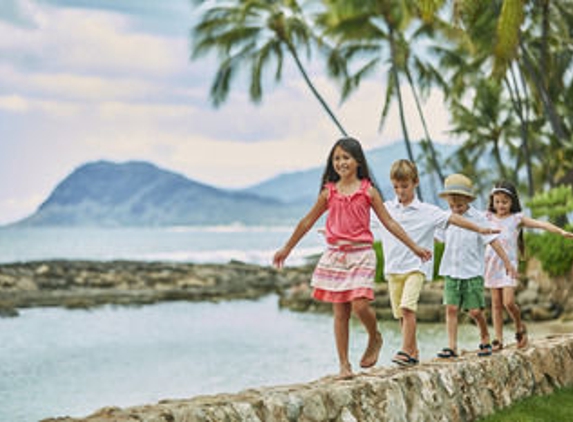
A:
[371, 353]
[521, 337]
[345, 372]
[497, 345]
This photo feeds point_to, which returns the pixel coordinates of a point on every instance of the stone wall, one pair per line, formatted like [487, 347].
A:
[464, 390]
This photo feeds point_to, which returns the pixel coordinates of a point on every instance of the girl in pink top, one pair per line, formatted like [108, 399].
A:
[344, 275]
[505, 213]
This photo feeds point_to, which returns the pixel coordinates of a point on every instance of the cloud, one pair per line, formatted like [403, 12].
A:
[92, 82]
[94, 42]
[166, 17]
[14, 103]
[17, 12]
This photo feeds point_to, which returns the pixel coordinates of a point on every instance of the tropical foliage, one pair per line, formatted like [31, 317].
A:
[504, 67]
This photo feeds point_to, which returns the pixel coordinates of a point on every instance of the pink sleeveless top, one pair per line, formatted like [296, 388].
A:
[349, 215]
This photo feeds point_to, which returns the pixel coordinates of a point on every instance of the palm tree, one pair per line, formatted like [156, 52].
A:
[254, 33]
[533, 58]
[369, 35]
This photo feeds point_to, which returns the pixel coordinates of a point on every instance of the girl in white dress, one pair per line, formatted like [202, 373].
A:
[504, 212]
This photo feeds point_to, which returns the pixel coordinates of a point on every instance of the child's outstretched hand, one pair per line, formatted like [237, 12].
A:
[566, 234]
[424, 254]
[280, 257]
[511, 271]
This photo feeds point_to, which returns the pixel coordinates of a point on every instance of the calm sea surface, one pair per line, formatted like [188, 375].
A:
[214, 244]
[57, 362]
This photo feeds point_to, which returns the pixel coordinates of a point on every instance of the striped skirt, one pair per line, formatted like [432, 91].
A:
[344, 273]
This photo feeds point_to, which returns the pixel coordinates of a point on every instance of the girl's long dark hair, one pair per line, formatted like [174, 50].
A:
[352, 147]
[510, 190]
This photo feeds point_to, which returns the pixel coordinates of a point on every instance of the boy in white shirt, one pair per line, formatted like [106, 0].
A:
[463, 265]
[404, 271]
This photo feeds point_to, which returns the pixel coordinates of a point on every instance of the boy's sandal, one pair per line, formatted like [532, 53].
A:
[521, 337]
[485, 350]
[447, 353]
[497, 346]
[405, 359]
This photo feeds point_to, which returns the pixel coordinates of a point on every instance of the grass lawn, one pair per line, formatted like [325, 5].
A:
[556, 407]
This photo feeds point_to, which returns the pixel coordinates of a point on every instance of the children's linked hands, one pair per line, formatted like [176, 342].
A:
[566, 234]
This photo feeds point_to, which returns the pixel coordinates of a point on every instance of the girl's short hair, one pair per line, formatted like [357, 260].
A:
[403, 170]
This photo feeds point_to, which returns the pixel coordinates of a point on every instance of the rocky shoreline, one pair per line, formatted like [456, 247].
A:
[86, 284]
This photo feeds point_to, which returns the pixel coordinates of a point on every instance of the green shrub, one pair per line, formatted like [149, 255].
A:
[555, 252]
[379, 262]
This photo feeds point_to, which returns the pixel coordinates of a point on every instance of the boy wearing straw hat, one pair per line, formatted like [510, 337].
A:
[462, 264]
[405, 272]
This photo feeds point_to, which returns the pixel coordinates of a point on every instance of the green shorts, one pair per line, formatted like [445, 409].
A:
[465, 293]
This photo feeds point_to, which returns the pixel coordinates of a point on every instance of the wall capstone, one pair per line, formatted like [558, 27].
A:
[435, 391]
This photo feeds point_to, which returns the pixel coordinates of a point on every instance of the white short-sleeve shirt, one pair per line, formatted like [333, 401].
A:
[464, 252]
[420, 220]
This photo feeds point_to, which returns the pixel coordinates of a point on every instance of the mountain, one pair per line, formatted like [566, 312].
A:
[302, 187]
[140, 194]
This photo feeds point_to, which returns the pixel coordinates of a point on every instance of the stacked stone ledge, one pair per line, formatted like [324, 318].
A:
[464, 390]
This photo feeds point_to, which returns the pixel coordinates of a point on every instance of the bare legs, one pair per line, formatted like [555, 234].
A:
[479, 318]
[341, 335]
[452, 327]
[367, 316]
[408, 323]
[505, 298]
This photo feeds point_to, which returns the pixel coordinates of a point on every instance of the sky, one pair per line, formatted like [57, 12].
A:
[88, 80]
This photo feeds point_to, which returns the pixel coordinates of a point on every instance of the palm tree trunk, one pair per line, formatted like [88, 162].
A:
[433, 155]
[309, 83]
[396, 77]
[548, 106]
[518, 106]
[498, 160]
[403, 124]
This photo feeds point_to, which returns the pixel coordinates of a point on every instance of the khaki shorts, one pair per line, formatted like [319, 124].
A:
[405, 291]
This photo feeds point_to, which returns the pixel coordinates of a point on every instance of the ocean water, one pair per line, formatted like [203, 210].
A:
[59, 362]
[213, 244]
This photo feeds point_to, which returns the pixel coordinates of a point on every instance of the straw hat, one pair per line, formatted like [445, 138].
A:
[458, 184]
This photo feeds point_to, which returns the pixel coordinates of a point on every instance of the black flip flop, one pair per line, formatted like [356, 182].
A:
[485, 350]
[409, 361]
[447, 353]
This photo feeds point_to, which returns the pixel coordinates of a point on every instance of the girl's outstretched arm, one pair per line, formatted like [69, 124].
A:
[545, 225]
[394, 227]
[303, 226]
[464, 223]
[509, 268]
